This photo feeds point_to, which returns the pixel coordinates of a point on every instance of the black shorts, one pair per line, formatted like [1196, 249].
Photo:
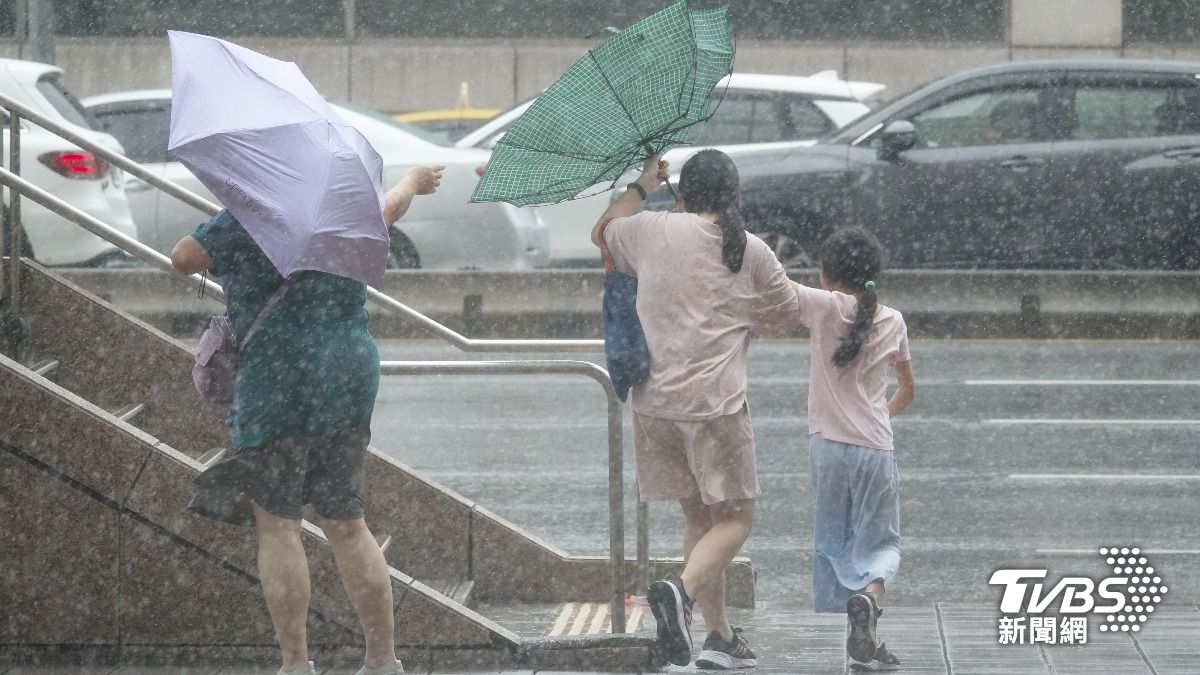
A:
[283, 476]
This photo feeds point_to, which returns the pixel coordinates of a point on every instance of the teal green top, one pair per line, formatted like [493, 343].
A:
[312, 368]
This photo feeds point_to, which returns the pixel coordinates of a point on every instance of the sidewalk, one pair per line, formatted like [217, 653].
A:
[947, 639]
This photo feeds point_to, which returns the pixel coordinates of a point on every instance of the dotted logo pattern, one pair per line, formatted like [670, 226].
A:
[1146, 590]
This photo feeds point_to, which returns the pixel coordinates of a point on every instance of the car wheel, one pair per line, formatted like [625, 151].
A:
[404, 255]
[796, 247]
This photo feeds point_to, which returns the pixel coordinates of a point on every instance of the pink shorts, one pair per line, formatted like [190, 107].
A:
[712, 458]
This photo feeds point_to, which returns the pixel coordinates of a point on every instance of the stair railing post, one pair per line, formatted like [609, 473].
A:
[14, 216]
[4, 226]
[616, 511]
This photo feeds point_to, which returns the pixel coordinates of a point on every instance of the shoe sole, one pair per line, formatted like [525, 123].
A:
[712, 660]
[673, 637]
[872, 666]
[861, 643]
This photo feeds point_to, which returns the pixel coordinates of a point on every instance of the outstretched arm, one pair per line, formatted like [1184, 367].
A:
[189, 257]
[654, 172]
[420, 180]
[906, 390]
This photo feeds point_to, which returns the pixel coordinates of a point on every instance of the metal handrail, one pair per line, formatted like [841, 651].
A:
[616, 505]
[19, 186]
[462, 342]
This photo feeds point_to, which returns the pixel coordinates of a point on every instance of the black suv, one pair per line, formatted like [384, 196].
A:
[1082, 164]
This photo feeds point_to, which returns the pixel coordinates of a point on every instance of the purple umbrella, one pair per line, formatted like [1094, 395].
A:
[304, 184]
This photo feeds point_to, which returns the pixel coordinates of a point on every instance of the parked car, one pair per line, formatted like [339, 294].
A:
[76, 176]
[1072, 164]
[752, 113]
[444, 231]
[448, 125]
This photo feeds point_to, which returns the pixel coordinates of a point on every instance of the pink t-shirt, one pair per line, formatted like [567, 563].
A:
[698, 315]
[849, 404]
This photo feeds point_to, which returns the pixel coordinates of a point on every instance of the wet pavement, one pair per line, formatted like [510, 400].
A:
[943, 639]
[1015, 454]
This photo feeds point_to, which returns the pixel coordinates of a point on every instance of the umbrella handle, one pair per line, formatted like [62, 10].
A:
[670, 188]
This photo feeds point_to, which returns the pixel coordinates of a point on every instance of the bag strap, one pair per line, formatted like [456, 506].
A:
[266, 310]
[605, 254]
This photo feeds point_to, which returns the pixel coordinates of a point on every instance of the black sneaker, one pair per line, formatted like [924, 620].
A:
[673, 611]
[881, 660]
[717, 654]
[862, 612]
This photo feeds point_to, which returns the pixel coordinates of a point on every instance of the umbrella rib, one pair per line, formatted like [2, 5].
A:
[616, 95]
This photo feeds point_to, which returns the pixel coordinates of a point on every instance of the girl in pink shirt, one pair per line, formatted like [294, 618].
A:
[855, 340]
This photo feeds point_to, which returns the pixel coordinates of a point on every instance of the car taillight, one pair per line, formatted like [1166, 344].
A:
[76, 164]
[480, 170]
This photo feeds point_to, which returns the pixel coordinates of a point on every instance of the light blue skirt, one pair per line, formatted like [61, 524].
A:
[856, 538]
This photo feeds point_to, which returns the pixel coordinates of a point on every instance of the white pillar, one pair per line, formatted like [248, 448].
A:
[1066, 23]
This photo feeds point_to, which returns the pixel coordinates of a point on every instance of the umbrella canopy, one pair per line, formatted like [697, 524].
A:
[637, 94]
[305, 185]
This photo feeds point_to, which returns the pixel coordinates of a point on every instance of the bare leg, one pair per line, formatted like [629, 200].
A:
[366, 579]
[728, 527]
[876, 589]
[283, 571]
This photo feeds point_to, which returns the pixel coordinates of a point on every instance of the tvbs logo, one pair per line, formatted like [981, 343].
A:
[1034, 612]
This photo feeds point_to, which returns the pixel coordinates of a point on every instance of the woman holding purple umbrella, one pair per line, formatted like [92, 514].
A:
[300, 424]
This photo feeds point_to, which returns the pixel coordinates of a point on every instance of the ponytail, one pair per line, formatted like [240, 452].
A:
[851, 260]
[709, 184]
[864, 318]
[733, 238]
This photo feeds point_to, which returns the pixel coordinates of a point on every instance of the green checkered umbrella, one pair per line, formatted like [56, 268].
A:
[637, 94]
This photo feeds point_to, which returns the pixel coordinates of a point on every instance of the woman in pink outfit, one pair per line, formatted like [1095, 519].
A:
[704, 285]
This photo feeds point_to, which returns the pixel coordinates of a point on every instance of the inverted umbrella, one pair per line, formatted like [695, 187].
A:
[305, 184]
[636, 95]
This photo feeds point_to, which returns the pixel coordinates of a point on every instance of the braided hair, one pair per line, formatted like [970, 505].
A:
[851, 258]
[709, 184]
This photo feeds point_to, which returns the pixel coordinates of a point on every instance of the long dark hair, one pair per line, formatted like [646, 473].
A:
[851, 258]
[709, 184]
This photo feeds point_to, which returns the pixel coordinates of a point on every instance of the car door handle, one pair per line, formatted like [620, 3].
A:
[1021, 163]
[136, 185]
[1183, 154]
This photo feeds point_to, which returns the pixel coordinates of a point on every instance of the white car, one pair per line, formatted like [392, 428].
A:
[755, 112]
[443, 231]
[78, 177]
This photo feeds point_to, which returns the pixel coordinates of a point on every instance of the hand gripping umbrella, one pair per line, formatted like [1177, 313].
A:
[306, 185]
[636, 95]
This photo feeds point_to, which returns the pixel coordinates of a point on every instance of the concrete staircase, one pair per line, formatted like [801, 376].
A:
[101, 434]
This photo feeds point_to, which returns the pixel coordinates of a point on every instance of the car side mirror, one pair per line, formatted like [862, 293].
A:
[896, 137]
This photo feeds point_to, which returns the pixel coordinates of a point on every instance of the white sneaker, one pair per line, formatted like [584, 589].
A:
[310, 669]
[396, 668]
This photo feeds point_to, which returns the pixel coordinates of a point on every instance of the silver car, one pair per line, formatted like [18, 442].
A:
[444, 231]
[756, 113]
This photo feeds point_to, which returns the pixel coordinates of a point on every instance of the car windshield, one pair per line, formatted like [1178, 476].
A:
[420, 133]
[65, 102]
